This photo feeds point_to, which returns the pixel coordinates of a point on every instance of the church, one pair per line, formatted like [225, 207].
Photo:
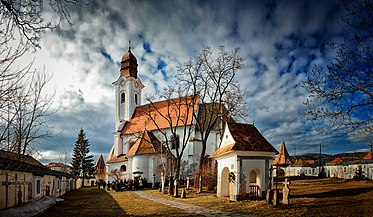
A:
[137, 141]
[139, 144]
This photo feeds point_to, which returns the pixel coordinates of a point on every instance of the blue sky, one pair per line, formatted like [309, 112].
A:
[279, 40]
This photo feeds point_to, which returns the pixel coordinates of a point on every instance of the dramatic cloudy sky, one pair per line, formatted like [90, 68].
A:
[279, 40]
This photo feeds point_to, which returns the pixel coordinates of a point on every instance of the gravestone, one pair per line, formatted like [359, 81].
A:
[286, 193]
[163, 180]
[243, 187]
[200, 185]
[176, 184]
[171, 186]
[188, 183]
[183, 193]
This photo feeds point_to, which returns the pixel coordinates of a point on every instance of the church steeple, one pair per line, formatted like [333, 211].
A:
[129, 64]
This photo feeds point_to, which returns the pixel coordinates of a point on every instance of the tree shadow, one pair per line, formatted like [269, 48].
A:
[86, 201]
[335, 193]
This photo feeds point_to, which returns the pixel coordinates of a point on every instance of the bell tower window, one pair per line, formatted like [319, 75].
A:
[136, 100]
[122, 98]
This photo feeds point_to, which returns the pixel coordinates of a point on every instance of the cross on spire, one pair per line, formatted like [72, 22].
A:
[129, 45]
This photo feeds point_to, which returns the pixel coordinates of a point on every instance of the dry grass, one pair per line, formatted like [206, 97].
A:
[320, 197]
[98, 202]
[134, 205]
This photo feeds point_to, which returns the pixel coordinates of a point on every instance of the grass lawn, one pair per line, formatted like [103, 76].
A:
[319, 197]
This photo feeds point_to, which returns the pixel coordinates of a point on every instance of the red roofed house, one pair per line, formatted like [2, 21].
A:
[244, 159]
[137, 141]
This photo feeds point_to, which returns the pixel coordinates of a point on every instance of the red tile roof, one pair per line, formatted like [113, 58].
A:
[146, 144]
[368, 156]
[178, 112]
[337, 160]
[304, 162]
[247, 138]
[283, 158]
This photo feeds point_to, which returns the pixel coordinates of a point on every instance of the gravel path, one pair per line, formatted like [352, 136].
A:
[188, 207]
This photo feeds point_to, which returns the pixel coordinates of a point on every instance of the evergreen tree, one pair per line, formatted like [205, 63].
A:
[83, 165]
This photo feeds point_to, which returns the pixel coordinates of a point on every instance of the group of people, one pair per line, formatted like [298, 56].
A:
[130, 184]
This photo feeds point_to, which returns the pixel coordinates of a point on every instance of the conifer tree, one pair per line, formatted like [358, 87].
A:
[83, 165]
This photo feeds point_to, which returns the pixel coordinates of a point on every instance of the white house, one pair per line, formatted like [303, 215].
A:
[244, 159]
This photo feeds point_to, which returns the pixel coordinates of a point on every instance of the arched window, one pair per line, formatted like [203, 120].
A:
[175, 142]
[252, 176]
[122, 97]
[123, 168]
[136, 99]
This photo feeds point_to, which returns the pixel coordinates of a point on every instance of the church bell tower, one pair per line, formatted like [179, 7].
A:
[128, 89]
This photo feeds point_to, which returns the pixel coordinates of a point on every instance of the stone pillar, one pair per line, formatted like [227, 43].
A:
[176, 184]
[275, 200]
[171, 186]
[188, 183]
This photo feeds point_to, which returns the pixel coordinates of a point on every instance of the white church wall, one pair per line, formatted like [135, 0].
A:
[229, 161]
[141, 163]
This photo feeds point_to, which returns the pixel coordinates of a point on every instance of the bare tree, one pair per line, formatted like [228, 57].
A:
[212, 78]
[173, 118]
[27, 112]
[23, 106]
[342, 93]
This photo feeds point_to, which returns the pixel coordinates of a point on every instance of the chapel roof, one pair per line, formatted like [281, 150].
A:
[283, 158]
[146, 144]
[247, 138]
[178, 111]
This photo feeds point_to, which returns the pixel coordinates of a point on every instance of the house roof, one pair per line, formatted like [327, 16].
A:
[283, 158]
[368, 156]
[304, 162]
[11, 161]
[146, 144]
[247, 138]
[175, 112]
[22, 158]
[337, 160]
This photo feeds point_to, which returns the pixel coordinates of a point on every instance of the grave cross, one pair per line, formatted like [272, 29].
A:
[286, 193]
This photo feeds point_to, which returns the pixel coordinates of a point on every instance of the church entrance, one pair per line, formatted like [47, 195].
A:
[224, 186]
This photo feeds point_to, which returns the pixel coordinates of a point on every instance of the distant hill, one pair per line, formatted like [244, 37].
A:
[346, 157]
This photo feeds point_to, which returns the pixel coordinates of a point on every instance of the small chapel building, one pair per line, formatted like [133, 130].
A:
[244, 160]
